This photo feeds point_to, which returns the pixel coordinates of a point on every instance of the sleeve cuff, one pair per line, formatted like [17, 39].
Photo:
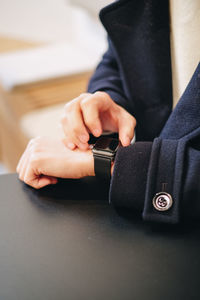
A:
[128, 183]
[148, 177]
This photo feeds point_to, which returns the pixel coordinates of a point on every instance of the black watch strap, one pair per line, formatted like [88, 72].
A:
[102, 167]
[104, 152]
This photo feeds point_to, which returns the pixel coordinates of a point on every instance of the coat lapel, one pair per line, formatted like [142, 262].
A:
[185, 118]
[139, 32]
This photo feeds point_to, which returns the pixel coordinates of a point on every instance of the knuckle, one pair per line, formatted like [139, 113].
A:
[21, 177]
[17, 168]
[30, 143]
[103, 96]
[85, 102]
[36, 148]
[89, 102]
[27, 180]
[82, 95]
[100, 94]
[70, 106]
[37, 139]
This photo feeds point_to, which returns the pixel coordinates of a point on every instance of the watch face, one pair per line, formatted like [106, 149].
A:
[106, 145]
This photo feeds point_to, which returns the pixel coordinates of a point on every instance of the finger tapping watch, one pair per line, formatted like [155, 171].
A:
[104, 152]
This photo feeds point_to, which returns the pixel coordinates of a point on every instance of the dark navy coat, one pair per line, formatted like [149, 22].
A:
[136, 73]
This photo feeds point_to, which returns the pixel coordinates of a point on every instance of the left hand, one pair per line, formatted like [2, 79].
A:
[46, 158]
[95, 113]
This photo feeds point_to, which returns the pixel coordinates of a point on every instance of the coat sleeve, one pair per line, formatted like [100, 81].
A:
[170, 164]
[145, 169]
[107, 78]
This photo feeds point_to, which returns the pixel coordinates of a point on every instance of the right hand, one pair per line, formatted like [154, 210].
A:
[45, 159]
[95, 113]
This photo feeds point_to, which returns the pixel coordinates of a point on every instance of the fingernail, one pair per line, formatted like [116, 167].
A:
[126, 141]
[84, 138]
[71, 145]
[96, 132]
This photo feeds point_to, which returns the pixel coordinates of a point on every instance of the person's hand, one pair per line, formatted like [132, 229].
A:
[45, 159]
[95, 113]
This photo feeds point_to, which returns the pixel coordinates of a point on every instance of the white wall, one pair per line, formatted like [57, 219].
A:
[92, 6]
[49, 20]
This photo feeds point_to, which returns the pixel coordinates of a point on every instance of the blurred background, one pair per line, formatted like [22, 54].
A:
[48, 51]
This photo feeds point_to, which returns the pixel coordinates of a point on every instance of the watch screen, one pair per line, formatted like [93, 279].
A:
[107, 144]
[114, 144]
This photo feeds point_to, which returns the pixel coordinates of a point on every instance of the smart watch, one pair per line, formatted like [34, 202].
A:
[104, 151]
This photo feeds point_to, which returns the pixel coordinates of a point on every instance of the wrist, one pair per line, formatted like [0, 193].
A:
[104, 152]
[90, 164]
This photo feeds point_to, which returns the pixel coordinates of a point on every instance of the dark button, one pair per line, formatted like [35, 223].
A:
[162, 201]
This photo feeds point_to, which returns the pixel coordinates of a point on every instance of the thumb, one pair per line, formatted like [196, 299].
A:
[126, 127]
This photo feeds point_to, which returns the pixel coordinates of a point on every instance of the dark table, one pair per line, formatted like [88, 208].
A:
[67, 242]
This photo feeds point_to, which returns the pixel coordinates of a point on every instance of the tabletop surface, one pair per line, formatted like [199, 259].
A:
[67, 242]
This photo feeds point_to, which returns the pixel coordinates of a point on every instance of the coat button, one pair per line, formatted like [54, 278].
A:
[162, 201]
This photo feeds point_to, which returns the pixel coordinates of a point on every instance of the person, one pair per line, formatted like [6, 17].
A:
[144, 72]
